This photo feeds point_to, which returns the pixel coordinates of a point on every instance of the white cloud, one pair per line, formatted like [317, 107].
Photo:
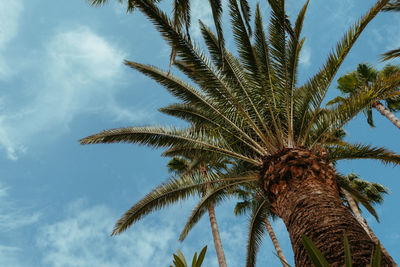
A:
[9, 256]
[83, 239]
[200, 11]
[10, 12]
[12, 216]
[305, 56]
[79, 73]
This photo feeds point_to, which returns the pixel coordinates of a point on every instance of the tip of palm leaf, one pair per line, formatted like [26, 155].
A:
[84, 141]
[182, 236]
[117, 230]
[87, 140]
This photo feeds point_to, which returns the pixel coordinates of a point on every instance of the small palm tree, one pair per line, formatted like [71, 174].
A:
[366, 76]
[181, 166]
[251, 109]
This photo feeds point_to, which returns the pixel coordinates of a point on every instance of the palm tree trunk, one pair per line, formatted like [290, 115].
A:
[386, 112]
[214, 228]
[217, 239]
[275, 242]
[301, 188]
[357, 214]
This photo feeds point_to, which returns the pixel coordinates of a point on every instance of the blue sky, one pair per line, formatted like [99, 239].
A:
[62, 78]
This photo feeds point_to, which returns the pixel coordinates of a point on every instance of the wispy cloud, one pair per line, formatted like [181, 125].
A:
[12, 215]
[79, 73]
[83, 239]
[305, 56]
[200, 11]
[10, 12]
[9, 256]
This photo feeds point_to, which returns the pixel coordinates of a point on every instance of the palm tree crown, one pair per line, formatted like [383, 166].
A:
[250, 108]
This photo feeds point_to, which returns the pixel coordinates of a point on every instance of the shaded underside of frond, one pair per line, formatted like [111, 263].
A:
[395, 53]
[343, 183]
[359, 151]
[256, 231]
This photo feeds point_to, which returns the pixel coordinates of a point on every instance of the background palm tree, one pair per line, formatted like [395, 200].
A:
[395, 53]
[366, 76]
[255, 112]
[374, 193]
[180, 166]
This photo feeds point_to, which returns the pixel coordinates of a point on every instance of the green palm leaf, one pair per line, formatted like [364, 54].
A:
[314, 91]
[256, 232]
[359, 151]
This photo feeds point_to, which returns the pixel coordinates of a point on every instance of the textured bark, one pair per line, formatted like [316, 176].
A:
[278, 249]
[301, 188]
[386, 112]
[357, 214]
[217, 239]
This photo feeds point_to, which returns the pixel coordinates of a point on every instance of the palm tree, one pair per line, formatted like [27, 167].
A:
[251, 109]
[366, 76]
[395, 53]
[374, 193]
[180, 166]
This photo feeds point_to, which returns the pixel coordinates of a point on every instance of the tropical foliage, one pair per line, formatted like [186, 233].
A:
[250, 108]
[180, 261]
[366, 77]
[319, 260]
[181, 166]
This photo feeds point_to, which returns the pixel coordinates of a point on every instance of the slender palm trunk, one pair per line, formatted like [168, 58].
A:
[217, 239]
[301, 188]
[357, 214]
[276, 243]
[215, 231]
[386, 112]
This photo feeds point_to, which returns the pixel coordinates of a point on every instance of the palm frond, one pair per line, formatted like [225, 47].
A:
[216, 8]
[242, 207]
[294, 48]
[162, 196]
[163, 137]
[359, 151]
[314, 91]
[347, 108]
[245, 8]
[394, 5]
[256, 232]
[190, 95]
[395, 53]
[233, 70]
[195, 64]
[357, 195]
[130, 3]
[267, 77]
[278, 51]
